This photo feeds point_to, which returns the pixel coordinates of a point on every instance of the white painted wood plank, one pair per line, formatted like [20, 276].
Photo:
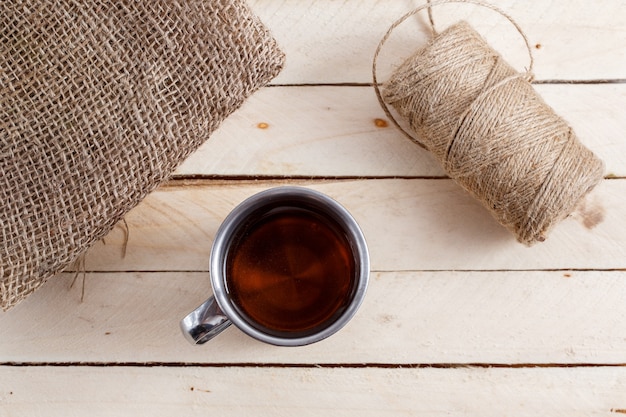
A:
[334, 42]
[566, 317]
[116, 391]
[409, 225]
[311, 131]
[331, 131]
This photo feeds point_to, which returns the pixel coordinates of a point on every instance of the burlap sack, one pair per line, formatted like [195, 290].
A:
[100, 100]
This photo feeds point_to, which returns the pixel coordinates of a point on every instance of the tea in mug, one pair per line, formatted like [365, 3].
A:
[290, 271]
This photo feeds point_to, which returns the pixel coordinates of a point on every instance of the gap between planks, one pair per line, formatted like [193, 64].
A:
[477, 365]
[202, 179]
[369, 84]
[375, 271]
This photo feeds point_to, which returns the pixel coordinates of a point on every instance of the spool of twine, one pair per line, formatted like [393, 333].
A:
[490, 130]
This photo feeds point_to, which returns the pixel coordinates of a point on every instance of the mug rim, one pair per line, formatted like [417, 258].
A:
[231, 224]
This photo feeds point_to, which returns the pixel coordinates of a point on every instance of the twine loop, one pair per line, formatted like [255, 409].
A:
[490, 130]
[527, 75]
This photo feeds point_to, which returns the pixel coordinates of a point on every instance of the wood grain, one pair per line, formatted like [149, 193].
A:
[334, 42]
[332, 131]
[407, 318]
[413, 225]
[113, 391]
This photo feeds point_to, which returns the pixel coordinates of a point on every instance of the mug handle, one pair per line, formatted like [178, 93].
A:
[204, 323]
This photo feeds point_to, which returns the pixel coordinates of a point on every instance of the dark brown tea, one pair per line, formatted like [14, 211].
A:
[290, 272]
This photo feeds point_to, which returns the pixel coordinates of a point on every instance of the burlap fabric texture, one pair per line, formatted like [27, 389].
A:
[100, 100]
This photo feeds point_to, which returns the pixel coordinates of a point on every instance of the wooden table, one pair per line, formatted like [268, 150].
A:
[459, 318]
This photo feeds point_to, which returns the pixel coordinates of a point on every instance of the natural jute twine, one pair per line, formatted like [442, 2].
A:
[100, 100]
[490, 130]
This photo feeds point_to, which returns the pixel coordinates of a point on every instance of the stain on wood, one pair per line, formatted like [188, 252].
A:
[381, 123]
[591, 213]
[385, 318]
[198, 390]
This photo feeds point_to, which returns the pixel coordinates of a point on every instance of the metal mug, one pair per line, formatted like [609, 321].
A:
[218, 312]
